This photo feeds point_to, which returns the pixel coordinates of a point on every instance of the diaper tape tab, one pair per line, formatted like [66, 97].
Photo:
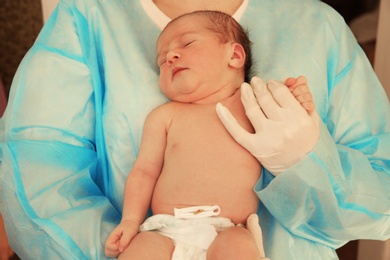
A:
[197, 212]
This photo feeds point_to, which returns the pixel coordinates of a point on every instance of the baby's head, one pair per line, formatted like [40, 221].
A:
[228, 30]
[203, 47]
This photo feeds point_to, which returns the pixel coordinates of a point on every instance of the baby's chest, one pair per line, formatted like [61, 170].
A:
[193, 130]
[200, 131]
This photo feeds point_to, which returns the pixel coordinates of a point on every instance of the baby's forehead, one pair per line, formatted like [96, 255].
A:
[184, 21]
[183, 25]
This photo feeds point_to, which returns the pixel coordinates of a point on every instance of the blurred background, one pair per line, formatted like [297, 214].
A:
[21, 21]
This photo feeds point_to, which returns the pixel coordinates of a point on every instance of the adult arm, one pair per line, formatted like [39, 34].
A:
[339, 191]
[52, 168]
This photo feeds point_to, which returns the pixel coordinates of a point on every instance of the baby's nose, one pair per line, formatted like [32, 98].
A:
[172, 56]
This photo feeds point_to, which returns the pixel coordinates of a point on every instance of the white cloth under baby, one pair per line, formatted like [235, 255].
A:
[192, 230]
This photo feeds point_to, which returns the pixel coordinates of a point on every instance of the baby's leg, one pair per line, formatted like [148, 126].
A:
[149, 245]
[234, 243]
[300, 90]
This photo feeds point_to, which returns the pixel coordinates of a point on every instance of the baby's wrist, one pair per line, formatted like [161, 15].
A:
[131, 220]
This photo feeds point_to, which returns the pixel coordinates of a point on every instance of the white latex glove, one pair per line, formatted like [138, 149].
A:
[284, 131]
[252, 224]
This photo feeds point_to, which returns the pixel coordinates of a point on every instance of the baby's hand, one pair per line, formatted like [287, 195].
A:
[120, 238]
[300, 90]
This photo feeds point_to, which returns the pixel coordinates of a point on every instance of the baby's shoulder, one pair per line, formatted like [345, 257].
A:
[168, 107]
[164, 112]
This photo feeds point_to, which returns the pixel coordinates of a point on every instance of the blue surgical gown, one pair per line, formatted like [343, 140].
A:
[78, 101]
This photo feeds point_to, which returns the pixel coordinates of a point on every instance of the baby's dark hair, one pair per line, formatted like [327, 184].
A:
[228, 29]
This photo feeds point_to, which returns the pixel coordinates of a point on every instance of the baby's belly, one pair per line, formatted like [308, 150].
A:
[231, 192]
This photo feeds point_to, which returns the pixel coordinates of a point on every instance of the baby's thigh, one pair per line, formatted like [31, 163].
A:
[233, 243]
[149, 245]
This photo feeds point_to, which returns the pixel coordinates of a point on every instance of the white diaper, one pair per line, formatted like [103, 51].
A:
[192, 230]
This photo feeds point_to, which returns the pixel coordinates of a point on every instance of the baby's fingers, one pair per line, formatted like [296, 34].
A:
[300, 90]
[111, 248]
[306, 101]
[125, 241]
[302, 93]
[293, 83]
[303, 97]
[290, 82]
[308, 106]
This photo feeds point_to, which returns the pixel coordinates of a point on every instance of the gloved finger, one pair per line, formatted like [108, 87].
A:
[253, 226]
[266, 101]
[252, 108]
[282, 94]
[232, 126]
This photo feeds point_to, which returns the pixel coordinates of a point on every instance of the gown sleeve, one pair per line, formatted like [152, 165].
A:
[52, 193]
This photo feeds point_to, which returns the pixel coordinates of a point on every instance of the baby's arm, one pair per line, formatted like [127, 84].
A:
[140, 183]
[300, 90]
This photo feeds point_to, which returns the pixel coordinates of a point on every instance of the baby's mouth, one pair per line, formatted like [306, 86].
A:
[177, 70]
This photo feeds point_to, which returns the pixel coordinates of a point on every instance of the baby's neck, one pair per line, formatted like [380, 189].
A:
[234, 97]
[175, 8]
[225, 97]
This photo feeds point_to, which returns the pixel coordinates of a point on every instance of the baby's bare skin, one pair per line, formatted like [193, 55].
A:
[187, 157]
[197, 173]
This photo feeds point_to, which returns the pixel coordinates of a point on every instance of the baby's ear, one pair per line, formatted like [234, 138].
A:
[237, 59]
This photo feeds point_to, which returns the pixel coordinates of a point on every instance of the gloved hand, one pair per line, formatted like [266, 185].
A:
[284, 131]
